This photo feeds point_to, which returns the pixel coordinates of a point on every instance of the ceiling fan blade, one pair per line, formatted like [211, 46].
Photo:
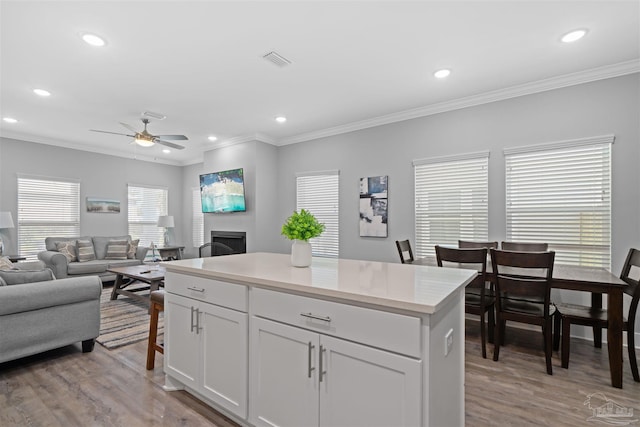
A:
[131, 128]
[106, 131]
[168, 144]
[173, 137]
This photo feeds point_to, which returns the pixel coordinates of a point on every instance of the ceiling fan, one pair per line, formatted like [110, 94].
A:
[145, 139]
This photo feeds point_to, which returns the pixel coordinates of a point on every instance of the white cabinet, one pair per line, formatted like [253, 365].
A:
[207, 349]
[306, 378]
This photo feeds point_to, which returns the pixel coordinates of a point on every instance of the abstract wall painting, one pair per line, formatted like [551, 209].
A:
[373, 206]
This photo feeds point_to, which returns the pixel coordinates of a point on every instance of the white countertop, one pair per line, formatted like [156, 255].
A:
[416, 288]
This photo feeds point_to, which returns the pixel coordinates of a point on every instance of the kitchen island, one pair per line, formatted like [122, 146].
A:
[343, 342]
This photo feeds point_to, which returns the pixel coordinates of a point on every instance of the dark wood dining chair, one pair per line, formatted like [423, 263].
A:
[404, 247]
[523, 294]
[467, 244]
[478, 298]
[525, 247]
[572, 314]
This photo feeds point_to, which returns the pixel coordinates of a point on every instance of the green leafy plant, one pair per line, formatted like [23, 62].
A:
[302, 226]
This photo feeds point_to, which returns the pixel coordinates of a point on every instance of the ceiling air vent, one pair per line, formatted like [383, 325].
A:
[279, 60]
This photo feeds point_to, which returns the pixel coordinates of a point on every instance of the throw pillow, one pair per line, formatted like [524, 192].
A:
[85, 251]
[117, 249]
[68, 249]
[5, 263]
[133, 248]
[17, 277]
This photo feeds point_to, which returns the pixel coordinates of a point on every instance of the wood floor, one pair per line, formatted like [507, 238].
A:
[112, 388]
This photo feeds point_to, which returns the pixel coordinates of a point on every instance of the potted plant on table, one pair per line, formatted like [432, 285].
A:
[300, 227]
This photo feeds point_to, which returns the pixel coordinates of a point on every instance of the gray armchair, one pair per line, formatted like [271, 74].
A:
[44, 314]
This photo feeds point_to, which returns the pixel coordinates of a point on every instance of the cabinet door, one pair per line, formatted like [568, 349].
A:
[182, 348]
[224, 338]
[363, 386]
[284, 381]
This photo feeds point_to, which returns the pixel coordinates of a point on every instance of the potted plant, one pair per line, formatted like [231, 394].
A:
[300, 227]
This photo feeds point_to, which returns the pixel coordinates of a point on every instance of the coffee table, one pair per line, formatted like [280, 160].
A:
[132, 275]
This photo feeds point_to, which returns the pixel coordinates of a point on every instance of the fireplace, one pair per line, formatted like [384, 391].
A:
[228, 242]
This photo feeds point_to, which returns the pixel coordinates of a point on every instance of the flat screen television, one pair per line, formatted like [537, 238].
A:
[223, 192]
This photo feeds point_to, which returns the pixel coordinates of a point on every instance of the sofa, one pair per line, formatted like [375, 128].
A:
[90, 255]
[39, 313]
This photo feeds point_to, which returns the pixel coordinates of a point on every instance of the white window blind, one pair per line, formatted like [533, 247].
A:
[146, 204]
[561, 194]
[46, 207]
[451, 201]
[197, 221]
[318, 193]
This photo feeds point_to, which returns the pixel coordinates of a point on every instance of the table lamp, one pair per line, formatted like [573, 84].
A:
[167, 222]
[6, 221]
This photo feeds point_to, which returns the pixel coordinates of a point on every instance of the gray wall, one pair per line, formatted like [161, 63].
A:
[100, 176]
[603, 107]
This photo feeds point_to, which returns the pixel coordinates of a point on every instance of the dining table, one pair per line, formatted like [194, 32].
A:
[597, 281]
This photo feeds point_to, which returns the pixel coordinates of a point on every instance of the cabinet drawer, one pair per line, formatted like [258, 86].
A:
[380, 329]
[216, 292]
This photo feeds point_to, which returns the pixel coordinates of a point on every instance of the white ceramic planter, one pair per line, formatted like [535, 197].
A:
[300, 253]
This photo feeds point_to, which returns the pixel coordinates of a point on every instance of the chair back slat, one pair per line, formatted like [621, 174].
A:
[525, 247]
[466, 244]
[632, 263]
[404, 246]
[469, 258]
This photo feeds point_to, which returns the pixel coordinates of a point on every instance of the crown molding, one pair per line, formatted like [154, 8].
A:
[600, 73]
[80, 147]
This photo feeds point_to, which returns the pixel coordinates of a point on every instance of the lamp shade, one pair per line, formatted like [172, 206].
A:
[166, 221]
[6, 221]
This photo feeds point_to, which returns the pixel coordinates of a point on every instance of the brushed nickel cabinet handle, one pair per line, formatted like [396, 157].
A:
[310, 368]
[196, 289]
[193, 309]
[316, 317]
[322, 372]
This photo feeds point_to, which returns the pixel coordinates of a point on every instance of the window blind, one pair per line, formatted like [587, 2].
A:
[146, 204]
[197, 222]
[562, 196]
[46, 207]
[318, 193]
[451, 201]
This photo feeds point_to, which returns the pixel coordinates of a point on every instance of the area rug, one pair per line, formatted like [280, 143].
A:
[124, 321]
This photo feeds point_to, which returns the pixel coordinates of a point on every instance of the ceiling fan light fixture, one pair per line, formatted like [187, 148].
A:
[143, 142]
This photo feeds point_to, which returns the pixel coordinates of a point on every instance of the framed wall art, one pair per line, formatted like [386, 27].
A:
[99, 205]
[373, 206]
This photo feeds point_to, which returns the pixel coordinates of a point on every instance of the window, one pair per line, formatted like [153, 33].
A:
[46, 207]
[318, 192]
[146, 204]
[197, 220]
[561, 194]
[451, 201]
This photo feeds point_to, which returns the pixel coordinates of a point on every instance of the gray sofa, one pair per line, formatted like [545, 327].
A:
[62, 267]
[37, 316]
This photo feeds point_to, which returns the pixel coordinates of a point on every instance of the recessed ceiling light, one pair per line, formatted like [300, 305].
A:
[212, 138]
[10, 120]
[166, 150]
[42, 92]
[573, 36]
[281, 119]
[93, 40]
[441, 74]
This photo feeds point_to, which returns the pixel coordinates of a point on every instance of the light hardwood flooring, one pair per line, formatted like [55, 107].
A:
[65, 387]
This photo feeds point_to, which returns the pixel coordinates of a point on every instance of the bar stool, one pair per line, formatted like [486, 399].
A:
[156, 299]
